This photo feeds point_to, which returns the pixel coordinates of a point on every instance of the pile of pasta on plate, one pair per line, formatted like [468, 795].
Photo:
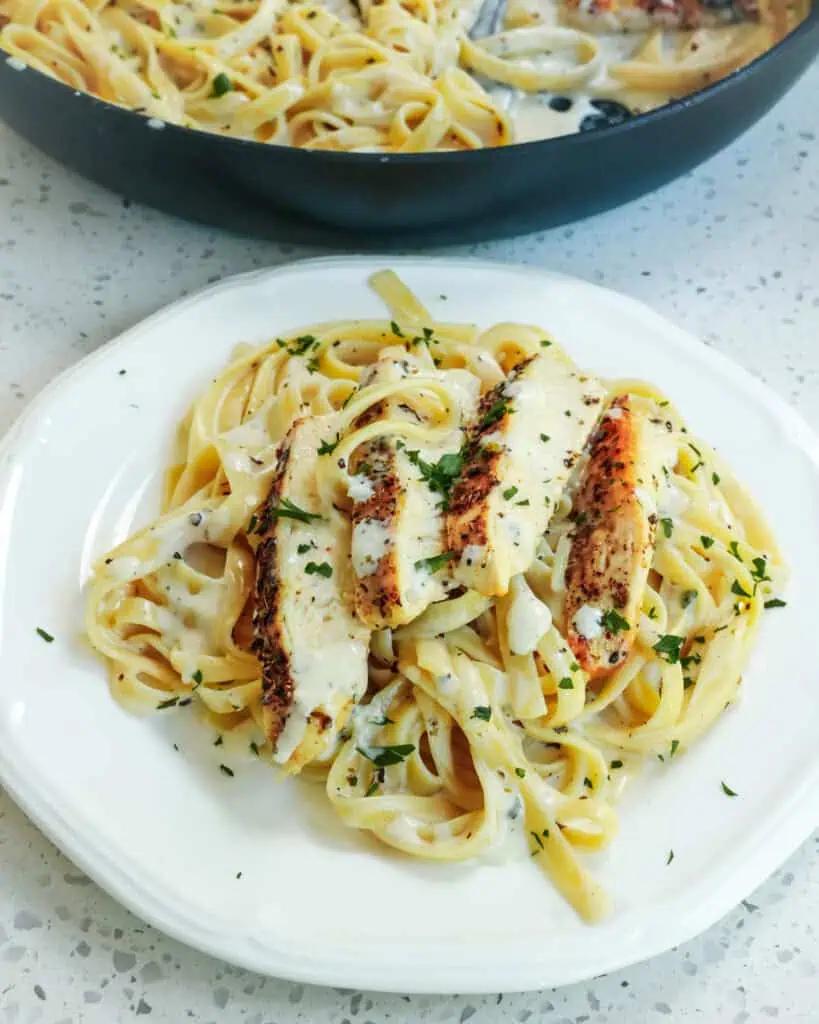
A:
[466, 583]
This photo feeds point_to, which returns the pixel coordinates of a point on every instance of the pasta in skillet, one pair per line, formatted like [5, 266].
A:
[402, 76]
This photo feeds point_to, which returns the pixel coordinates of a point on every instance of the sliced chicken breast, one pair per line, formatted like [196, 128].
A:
[312, 648]
[615, 514]
[642, 15]
[398, 538]
[527, 435]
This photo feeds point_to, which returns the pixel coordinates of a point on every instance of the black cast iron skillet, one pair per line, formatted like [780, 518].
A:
[425, 198]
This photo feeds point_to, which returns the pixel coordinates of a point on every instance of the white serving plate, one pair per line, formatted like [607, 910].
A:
[167, 833]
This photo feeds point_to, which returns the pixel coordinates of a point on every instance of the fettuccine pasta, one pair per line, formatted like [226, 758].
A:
[453, 714]
[392, 76]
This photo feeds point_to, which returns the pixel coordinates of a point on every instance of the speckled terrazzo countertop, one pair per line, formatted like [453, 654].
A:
[731, 252]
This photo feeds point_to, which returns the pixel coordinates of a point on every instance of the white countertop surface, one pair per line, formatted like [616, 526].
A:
[731, 252]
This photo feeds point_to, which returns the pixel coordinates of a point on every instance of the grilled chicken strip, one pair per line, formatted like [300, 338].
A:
[312, 648]
[615, 511]
[397, 519]
[527, 435]
[643, 15]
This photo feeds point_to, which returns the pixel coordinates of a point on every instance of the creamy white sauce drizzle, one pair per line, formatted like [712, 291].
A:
[528, 618]
[588, 622]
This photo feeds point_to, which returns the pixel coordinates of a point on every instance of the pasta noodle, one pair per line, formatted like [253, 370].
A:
[462, 745]
[398, 76]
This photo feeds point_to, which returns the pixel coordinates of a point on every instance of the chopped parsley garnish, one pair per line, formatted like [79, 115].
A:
[614, 622]
[715, 478]
[759, 573]
[652, 612]
[439, 476]
[509, 493]
[587, 782]
[545, 438]
[669, 647]
[667, 525]
[545, 343]
[44, 635]
[733, 547]
[287, 510]
[313, 364]
[537, 839]
[254, 747]
[687, 597]
[482, 711]
[775, 602]
[523, 503]
[221, 85]
[738, 589]
[695, 450]
[616, 764]
[302, 344]
[670, 857]
[706, 542]
[319, 569]
[436, 562]
[388, 755]
[372, 788]
[574, 667]
[219, 740]
[674, 747]
[690, 659]
[328, 447]
[565, 684]
[197, 677]
[251, 526]
[727, 790]
[171, 702]
[302, 549]
[396, 330]
[494, 413]
[223, 768]
[521, 773]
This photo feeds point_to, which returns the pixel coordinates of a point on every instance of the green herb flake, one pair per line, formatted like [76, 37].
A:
[521, 773]
[566, 684]
[738, 589]
[436, 562]
[171, 702]
[221, 85]
[319, 569]
[43, 634]
[667, 525]
[733, 547]
[775, 602]
[372, 789]
[482, 712]
[223, 768]
[614, 622]
[669, 647]
[670, 857]
[252, 522]
[388, 755]
[727, 790]
[688, 596]
[287, 510]
[396, 330]
[715, 479]
[706, 542]
[587, 782]
[545, 343]
[759, 573]
[616, 764]
[328, 447]
[220, 739]
[509, 493]
[537, 839]
[439, 476]
[545, 438]
[522, 504]
[302, 549]
[197, 677]
[494, 414]
[675, 746]
[254, 748]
